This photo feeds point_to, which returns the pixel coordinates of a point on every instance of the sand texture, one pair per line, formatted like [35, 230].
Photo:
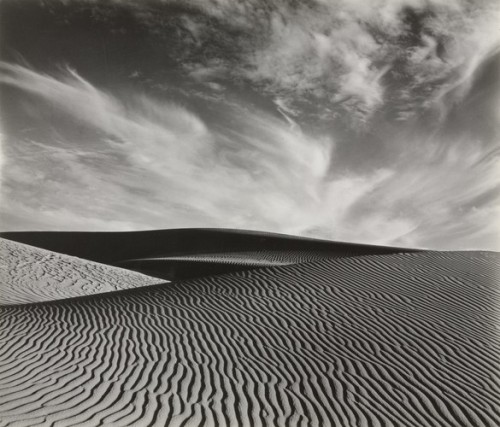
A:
[30, 275]
[401, 339]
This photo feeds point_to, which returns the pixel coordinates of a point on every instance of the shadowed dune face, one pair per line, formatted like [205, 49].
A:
[189, 253]
[390, 340]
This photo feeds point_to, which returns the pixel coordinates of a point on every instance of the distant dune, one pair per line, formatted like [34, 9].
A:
[408, 338]
[188, 253]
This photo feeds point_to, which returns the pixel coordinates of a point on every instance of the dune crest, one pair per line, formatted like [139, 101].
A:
[177, 254]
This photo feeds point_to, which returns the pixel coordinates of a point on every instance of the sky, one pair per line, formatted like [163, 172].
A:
[373, 122]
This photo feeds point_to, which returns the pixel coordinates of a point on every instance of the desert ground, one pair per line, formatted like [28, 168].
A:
[230, 328]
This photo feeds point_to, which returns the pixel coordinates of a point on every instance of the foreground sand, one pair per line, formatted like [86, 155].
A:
[408, 339]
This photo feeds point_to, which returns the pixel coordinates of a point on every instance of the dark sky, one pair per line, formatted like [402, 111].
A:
[372, 122]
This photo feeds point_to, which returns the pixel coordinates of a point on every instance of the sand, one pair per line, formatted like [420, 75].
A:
[188, 253]
[30, 275]
[389, 339]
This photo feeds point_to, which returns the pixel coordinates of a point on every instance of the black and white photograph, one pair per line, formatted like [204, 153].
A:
[269, 213]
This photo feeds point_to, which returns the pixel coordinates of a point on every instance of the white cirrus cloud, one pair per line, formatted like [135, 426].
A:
[148, 163]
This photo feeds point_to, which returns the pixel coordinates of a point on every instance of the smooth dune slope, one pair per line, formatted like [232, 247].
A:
[383, 340]
[188, 253]
[30, 275]
[109, 247]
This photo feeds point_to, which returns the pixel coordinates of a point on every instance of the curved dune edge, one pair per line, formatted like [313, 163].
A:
[32, 275]
[113, 247]
[180, 254]
[191, 266]
[390, 340]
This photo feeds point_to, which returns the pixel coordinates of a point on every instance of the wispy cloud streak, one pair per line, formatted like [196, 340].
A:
[158, 165]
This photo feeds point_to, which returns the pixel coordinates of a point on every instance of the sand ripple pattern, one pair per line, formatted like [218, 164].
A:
[29, 275]
[387, 340]
[250, 258]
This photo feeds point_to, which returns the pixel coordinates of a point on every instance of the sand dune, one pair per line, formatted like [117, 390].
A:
[108, 247]
[189, 253]
[409, 339]
[199, 265]
[30, 275]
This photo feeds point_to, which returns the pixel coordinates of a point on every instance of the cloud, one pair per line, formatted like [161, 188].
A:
[159, 165]
[451, 196]
[338, 59]
[331, 64]
[145, 163]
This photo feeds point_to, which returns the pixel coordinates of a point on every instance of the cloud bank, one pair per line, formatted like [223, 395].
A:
[149, 163]
[338, 59]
